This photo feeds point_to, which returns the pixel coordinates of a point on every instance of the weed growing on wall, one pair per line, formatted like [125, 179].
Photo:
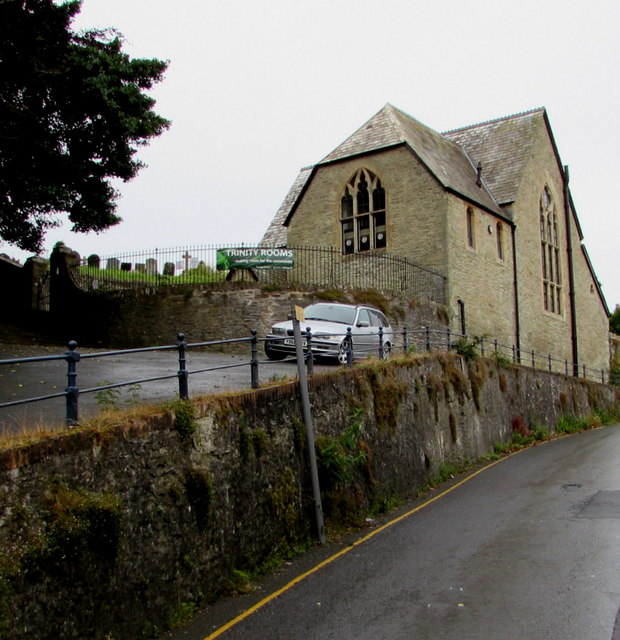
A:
[339, 457]
[184, 419]
[468, 348]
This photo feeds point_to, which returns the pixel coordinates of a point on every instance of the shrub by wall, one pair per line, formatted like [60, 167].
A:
[121, 531]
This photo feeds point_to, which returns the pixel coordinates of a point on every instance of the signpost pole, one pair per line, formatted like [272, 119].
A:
[305, 400]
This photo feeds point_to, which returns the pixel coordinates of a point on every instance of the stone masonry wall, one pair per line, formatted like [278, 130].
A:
[110, 532]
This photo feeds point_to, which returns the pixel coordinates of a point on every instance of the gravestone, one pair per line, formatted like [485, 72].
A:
[140, 267]
[151, 266]
[113, 264]
[93, 261]
[125, 266]
[169, 269]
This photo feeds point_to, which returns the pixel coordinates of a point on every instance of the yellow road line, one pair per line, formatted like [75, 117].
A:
[272, 596]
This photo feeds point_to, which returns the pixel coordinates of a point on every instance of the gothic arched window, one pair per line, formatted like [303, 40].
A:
[362, 213]
[550, 254]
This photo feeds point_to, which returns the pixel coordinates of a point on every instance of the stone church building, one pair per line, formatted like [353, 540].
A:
[488, 206]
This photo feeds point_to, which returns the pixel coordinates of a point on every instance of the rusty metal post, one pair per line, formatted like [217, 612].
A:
[182, 373]
[309, 355]
[254, 360]
[73, 393]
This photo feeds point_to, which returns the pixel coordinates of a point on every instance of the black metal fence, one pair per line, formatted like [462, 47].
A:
[400, 342]
[317, 266]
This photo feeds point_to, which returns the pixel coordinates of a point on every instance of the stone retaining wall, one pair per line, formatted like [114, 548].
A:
[112, 533]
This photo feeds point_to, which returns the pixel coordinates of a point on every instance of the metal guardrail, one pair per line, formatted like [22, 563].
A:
[423, 340]
[318, 266]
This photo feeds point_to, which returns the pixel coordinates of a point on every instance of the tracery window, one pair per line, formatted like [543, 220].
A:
[550, 254]
[362, 213]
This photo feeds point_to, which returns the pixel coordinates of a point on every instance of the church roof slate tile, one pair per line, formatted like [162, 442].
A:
[445, 159]
[502, 146]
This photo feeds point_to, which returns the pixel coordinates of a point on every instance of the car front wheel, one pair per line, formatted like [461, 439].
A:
[273, 355]
[387, 351]
[342, 353]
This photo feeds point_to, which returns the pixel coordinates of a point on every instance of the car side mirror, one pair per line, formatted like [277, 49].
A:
[363, 324]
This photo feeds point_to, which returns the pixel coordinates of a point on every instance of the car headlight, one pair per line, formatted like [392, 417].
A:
[327, 337]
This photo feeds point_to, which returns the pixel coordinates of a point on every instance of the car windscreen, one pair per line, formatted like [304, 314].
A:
[330, 313]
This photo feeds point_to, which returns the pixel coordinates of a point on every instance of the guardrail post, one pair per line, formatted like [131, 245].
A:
[495, 344]
[533, 360]
[309, 355]
[182, 373]
[72, 391]
[381, 343]
[254, 360]
[428, 338]
[349, 347]
[448, 339]
[549, 362]
[405, 341]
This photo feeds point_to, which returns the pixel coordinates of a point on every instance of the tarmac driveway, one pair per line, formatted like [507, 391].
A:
[19, 381]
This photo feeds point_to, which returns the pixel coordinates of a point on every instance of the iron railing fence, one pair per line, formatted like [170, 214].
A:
[401, 341]
[315, 266]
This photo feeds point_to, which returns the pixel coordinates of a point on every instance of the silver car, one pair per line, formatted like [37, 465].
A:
[328, 323]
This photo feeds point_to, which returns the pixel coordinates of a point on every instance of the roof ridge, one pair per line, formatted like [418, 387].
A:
[520, 114]
[408, 115]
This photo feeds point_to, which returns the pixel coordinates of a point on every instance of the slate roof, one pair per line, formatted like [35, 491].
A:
[502, 146]
[445, 159]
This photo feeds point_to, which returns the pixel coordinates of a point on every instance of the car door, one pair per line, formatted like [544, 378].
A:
[364, 334]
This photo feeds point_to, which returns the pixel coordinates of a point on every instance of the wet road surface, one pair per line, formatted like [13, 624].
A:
[26, 380]
[527, 549]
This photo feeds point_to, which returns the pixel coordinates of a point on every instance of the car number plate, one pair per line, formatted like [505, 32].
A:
[291, 342]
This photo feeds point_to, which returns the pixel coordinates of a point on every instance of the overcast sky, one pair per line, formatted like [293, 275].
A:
[257, 89]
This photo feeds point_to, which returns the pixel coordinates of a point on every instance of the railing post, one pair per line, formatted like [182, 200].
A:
[533, 360]
[381, 343]
[603, 376]
[428, 338]
[448, 339]
[72, 391]
[584, 372]
[309, 355]
[349, 339]
[482, 347]
[405, 341]
[565, 366]
[182, 373]
[254, 360]
[514, 353]
[549, 362]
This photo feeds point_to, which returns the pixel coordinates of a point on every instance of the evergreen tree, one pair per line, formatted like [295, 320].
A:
[614, 321]
[73, 110]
